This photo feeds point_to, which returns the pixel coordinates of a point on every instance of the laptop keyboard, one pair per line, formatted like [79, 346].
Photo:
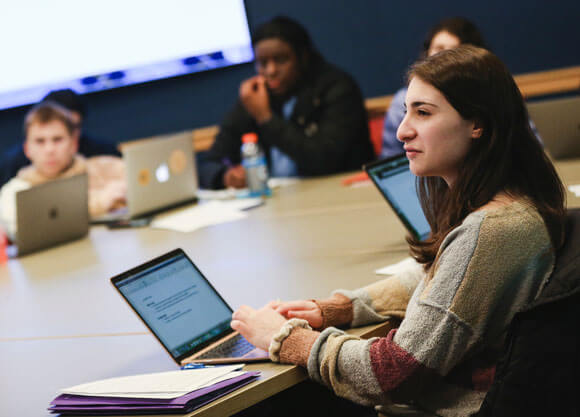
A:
[232, 348]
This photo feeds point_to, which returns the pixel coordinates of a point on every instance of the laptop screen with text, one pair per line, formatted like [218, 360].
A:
[177, 303]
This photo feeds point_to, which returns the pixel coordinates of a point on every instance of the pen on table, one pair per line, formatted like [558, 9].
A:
[196, 366]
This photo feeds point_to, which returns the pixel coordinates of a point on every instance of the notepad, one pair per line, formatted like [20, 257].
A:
[575, 188]
[149, 403]
[162, 385]
[398, 267]
[207, 214]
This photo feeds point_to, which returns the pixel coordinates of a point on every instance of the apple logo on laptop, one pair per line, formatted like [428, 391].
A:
[162, 173]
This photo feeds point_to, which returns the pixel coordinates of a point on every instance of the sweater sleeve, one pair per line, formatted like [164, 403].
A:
[484, 274]
[374, 303]
[107, 184]
[225, 150]
[8, 205]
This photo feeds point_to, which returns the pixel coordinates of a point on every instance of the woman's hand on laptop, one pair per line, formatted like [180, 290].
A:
[257, 326]
[301, 309]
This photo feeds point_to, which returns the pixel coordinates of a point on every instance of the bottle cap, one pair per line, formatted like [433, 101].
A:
[250, 137]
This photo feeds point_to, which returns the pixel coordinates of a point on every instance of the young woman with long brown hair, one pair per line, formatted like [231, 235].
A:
[496, 209]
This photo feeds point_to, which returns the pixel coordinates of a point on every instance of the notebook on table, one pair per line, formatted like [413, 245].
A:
[161, 175]
[50, 214]
[184, 311]
[396, 183]
[558, 122]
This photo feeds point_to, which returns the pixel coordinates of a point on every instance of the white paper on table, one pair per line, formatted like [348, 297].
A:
[162, 385]
[244, 203]
[277, 182]
[225, 194]
[172, 394]
[394, 269]
[198, 216]
[575, 188]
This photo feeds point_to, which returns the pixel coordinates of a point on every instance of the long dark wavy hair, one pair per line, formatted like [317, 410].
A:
[506, 158]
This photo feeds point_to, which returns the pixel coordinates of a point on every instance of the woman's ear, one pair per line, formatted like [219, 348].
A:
[477, 130]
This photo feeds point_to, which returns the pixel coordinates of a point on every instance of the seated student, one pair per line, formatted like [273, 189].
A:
[496, 209]
[51, 144]
[309, 115]
[15, 158]
[448, 33]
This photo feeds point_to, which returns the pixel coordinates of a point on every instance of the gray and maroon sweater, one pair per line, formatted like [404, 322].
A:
[442, 357]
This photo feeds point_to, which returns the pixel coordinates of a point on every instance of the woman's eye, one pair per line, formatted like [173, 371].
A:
[422, 112]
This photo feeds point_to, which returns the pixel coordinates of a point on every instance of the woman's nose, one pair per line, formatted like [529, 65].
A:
[405, 131]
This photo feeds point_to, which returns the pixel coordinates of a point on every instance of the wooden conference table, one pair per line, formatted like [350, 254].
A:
[61, 323]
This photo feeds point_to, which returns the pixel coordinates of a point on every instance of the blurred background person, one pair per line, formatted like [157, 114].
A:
[15, 158]
[51, 144]
[309, 115]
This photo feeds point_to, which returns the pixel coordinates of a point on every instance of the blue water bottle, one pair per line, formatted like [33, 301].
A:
[254, 163]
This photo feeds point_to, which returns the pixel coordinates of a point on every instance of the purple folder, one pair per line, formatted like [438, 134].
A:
[87, 405]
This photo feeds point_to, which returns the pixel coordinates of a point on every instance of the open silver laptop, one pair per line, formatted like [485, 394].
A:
[51, 213]
[161, 174]
[184, 311]
[558, 122]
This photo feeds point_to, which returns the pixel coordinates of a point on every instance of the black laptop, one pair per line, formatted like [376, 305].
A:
[184, 311]
[396, 183]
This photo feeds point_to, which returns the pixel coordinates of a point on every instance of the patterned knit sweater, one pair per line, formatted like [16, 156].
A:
[442, 357]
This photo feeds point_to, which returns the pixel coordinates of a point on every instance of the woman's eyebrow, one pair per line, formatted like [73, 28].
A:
[416, 104]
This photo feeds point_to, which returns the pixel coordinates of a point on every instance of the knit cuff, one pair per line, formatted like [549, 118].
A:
[336, 310]
[283, 333]
[296, 347]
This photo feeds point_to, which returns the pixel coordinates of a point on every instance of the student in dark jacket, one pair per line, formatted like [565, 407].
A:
[309, 115]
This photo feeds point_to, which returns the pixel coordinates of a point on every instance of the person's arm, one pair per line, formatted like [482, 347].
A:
[484, 275]
[8, 205]
[225, 150]
[395, 115]
[107, 184]
[338, 127]
[377, 302]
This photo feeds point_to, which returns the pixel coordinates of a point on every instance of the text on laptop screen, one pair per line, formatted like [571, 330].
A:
[176, 301]
[397, 183]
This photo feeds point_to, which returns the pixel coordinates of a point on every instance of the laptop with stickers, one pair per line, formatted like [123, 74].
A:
[161, 175]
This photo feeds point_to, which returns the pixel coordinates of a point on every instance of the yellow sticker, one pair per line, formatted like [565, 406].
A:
[177, 162]
[144, 177]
